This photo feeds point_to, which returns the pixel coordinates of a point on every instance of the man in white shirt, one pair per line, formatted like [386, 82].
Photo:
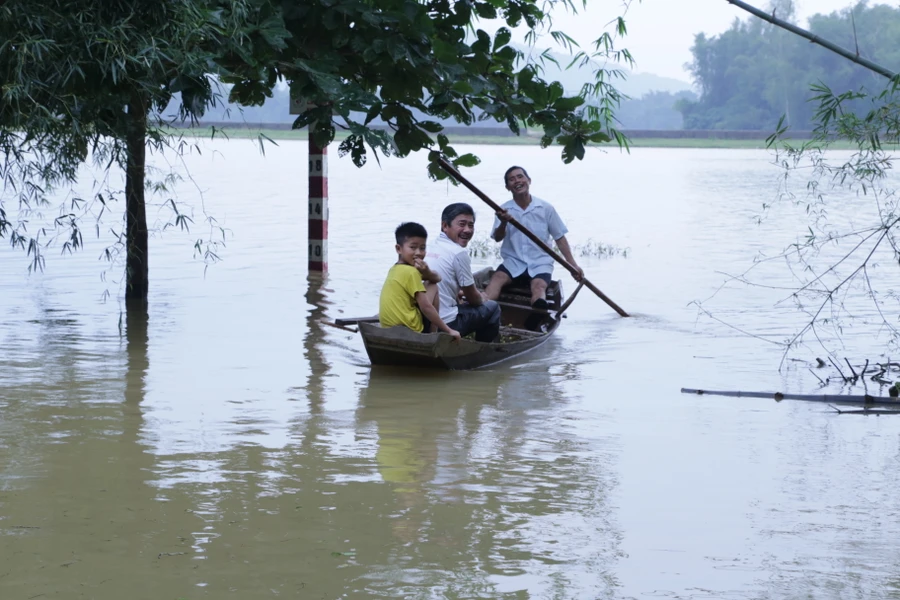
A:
[449, 258]
[524, 262]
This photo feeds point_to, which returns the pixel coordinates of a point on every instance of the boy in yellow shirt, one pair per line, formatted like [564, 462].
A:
[405, 298]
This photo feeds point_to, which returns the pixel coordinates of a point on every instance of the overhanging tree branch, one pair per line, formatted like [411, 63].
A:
[833, 285]
[771, 18]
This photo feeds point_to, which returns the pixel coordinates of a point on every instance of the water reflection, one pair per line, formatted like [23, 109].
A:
[420, 417]
[837, 553]
[314, 338]
[84, 512]
[137, 320]
[486, 483]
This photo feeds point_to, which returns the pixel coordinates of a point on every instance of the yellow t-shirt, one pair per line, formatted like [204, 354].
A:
[398, 304]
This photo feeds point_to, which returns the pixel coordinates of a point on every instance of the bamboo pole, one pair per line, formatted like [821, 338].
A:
[569, 301]
[451, 170]
[865, 411]
[865, 399]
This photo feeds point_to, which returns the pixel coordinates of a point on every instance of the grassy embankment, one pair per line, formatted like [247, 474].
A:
[243, 132]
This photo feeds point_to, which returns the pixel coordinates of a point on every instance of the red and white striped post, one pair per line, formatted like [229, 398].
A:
[318, 194]
[318, 208]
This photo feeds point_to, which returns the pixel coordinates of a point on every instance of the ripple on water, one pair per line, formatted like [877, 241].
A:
[228, 424]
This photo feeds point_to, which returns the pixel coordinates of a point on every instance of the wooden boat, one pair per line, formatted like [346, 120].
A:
[401, 346]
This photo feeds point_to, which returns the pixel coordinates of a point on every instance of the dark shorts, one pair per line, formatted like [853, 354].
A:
[483, 319]
[524, 279]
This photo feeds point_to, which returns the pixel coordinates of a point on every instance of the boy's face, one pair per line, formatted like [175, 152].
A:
[411, 249]
[460, 229]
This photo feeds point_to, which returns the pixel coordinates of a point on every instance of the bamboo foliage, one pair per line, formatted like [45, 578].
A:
[84, 81]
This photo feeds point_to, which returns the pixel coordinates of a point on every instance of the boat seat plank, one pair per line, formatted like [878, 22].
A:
[520, 307]
[522, 332]
[355, 320]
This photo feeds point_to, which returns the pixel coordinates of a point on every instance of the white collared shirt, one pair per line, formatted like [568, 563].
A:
[451, 261]
[520, 254]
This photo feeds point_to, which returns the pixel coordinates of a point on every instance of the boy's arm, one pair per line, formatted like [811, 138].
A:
[432, 276]
[432, 315]
[427, 273]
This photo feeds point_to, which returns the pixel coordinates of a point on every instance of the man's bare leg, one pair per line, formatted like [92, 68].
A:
[538, 290]
[498, 280]
[539, 302]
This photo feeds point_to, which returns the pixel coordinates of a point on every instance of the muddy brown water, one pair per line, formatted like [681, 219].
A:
[229, 445]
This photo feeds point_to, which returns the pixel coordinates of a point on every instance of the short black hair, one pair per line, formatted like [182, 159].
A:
[454, 210]
[511, 169]
[409, 230]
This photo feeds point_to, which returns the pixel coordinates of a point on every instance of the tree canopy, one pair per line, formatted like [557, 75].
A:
[395, 59]
[84, 80]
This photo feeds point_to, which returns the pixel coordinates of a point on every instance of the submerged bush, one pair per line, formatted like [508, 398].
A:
[485, 247]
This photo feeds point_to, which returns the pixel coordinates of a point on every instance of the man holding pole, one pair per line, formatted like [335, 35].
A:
[507, 217]
[524, 262]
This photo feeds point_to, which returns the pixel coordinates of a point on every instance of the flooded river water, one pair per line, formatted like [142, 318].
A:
[231, 445]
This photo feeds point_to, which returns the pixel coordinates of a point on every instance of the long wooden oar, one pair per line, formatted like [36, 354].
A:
[451, 170]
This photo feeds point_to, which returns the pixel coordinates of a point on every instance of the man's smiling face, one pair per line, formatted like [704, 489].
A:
[460, 229]
[518, 182]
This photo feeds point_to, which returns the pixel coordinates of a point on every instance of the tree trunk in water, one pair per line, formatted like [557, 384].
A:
[136, 264]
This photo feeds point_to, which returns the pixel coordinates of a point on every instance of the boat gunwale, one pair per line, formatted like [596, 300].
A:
[375, 335]
[399, 342]
[373, 331]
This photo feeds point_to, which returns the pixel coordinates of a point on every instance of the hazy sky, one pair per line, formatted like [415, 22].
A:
[661, 32]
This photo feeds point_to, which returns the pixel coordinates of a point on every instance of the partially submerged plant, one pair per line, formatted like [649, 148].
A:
[600, 250]
[485, 247]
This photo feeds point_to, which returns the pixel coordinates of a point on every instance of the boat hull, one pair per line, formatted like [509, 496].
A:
[400, 346]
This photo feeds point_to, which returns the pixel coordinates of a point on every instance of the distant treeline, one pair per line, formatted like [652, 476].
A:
[654, 110]
[748, 77]
[752, 74]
